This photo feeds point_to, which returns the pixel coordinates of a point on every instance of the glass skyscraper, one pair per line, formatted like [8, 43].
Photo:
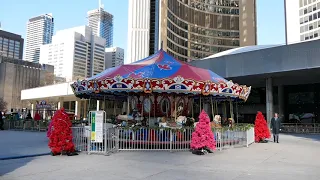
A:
[189, 29]
[39, 32]
[101, 23]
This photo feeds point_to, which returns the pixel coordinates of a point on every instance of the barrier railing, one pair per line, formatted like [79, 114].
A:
[149, 139]
[26, 125]
[306, 128]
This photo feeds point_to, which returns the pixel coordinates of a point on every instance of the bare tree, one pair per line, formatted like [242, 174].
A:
[47, 79]
[75, 78]
[3, 105]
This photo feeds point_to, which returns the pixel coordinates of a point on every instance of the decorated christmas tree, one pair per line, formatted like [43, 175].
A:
[202, 138]
[261, 130]
[60, 138]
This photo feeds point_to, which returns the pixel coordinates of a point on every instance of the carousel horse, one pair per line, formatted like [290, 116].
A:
[195, 124]
[124, 117]
[216, 123]
[231, 122]
[181, 120]
[189, 122]
[177, 112]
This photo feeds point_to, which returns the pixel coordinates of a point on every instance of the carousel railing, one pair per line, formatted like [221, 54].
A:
[156, 139]
[305, 128]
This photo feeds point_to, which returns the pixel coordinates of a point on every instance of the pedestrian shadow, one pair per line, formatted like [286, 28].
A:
[314, 137]
[8, 166]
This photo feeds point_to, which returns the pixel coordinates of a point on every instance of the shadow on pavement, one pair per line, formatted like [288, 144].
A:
[7, 166]
[314, 137]
[19, 143]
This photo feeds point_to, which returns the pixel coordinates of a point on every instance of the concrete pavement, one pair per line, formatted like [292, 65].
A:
[293, 158]
[20, 143]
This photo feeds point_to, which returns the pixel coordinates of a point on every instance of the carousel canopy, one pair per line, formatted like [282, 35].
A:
[159, 73]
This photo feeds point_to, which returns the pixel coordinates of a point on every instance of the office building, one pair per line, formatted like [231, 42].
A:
[101, 23]
[302, 20]
[11, 45]
[114, 57]
[39, 32]
[189, 29]
[75, 53]
[17, 75]
[284, 79]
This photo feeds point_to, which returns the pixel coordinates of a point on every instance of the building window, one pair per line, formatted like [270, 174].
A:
[315, 35]
[305, 11]
[310, 18]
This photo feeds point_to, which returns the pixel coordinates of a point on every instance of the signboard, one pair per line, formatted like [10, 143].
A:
[43, 105]
[97, 126]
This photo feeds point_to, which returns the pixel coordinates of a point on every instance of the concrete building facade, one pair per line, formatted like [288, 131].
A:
[284, 78]
[189, 29]
[114, 57]
[11, 45]
[39, 32]
[17, 75]
[302, 20]
[75, 53]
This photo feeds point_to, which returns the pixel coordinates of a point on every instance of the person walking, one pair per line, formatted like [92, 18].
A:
[1, 121]
[275, 127]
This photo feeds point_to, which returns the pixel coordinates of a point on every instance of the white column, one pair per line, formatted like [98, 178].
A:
[269, 100]
[44, 114]
[32, 110]
[76, 108]
[98, 104]
[60, 103]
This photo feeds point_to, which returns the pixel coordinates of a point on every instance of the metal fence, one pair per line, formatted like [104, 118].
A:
[308, 128]
[26, 125]
[148, 139]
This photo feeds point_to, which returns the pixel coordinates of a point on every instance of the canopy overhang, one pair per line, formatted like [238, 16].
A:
[159, 73]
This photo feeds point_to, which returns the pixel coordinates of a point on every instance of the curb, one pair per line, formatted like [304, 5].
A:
[24, 156]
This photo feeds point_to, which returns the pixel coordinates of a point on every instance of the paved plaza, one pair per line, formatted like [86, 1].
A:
[295, 157]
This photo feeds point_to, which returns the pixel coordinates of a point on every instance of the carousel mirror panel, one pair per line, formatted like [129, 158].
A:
[147, 105]
[180, 106]
[165, 105]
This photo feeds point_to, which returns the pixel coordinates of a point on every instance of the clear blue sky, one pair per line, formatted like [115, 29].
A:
[70, 13]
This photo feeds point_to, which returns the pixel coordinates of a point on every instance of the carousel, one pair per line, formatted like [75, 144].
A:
[161, 91]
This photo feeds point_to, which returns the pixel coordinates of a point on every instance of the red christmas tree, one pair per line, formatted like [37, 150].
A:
[60, 139]
[261, 130]
[202, 137]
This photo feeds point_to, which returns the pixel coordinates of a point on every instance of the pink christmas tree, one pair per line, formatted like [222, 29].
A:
[202, 137]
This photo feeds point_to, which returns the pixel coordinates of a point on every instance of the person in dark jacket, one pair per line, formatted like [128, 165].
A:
[1, 121]
[275, 127]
